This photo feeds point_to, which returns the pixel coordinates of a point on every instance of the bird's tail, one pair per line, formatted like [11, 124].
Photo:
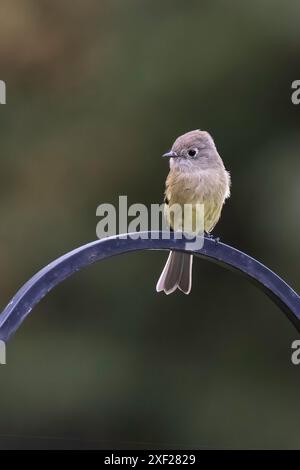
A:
[177, 273]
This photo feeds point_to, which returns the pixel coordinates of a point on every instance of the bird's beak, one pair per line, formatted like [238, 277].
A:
[170, 154]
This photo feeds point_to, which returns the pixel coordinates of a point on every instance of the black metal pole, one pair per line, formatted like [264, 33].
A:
[56, 272]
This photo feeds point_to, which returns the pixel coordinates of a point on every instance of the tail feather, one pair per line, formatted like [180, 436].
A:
[177, 273]
[185, 282]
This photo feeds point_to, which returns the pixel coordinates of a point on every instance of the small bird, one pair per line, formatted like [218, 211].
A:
[197, 176]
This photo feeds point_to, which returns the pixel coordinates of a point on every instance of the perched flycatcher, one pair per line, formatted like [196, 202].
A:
[197, 176]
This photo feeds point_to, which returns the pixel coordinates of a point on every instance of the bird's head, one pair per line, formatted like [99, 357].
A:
[195, 148]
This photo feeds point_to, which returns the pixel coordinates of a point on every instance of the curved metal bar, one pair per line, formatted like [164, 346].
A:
[41, 283]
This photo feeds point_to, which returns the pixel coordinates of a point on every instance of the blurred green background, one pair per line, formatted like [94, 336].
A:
[96, 92]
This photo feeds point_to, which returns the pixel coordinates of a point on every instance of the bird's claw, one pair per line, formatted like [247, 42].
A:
[210, 235]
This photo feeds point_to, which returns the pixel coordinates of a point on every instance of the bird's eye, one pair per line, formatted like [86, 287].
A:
[192, 152]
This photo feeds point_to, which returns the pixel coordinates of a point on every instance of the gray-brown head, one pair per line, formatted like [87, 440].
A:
[195, 148]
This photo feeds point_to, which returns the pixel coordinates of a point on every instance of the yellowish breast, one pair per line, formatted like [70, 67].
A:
[208, 188]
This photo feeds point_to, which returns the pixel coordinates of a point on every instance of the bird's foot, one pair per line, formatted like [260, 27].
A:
[210, 235]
